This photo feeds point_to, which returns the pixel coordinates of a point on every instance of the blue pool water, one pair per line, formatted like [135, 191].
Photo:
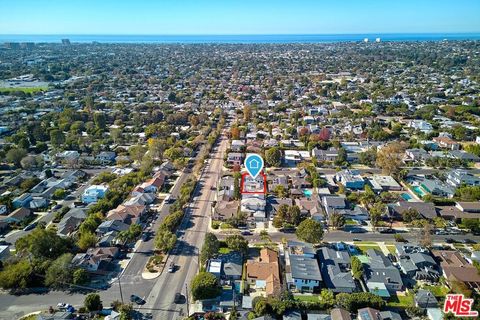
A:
[406, 196]
[307, 192]
[418, 191]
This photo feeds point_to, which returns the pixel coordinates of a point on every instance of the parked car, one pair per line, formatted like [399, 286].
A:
[390, 230]
[357, 230]
[136, 299]
[178, 298]
[246, 233]
[30, 227]
[171, 267]
[450, 240]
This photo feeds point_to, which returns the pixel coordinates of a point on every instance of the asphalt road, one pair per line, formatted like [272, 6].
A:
[191, 234]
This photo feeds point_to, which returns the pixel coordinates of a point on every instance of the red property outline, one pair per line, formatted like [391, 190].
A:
[253, 192]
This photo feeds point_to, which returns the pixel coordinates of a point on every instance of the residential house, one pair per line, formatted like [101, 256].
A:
[458, 177]
[96, 260]
[381, 276]
[293, 157]
[109, 226]
[416, 155]
[463, 155]
[71, 221]
[127, 214]
[226, 188]
[38, 203]
[237, 146]
[333, 203]
[254, 206]
[302, 270]
[455, 268]
[310, 207]
[4, 252]
[416, 262]
[227, 267]
[340, 314]
[335, 267]
[468, 207]
[329, 155]
[225, 209]
[22, 201]
[59, 315]
[154, 184]
[234, 158]
[350, 179]
[425, 209]
[424, 299]
[277, 180]
[447, 143]
[17, 216]
[264, 274]
[381, 183]
[94, 193]
[373, 314]
[106, 157]
[358, 213]
[141, 199]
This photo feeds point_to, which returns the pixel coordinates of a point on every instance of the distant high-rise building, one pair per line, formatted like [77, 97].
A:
[365, 40]
[27, 45]
[12, 45]
[377, 40]
[66, 42]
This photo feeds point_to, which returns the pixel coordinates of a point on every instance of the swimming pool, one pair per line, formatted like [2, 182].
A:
[419, 191]
[307, 192]
[406, 196]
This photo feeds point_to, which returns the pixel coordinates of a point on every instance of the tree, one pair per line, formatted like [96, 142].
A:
[100, 120]
[390, 158]
[336, 220]
[210, 247]
[260, 306]
[137, 152]
[237, 243]
[310, 231]
[57, 138]
[205, 286]
[273, 157]
[165, 240]
[294, 215]
[426, 236]
[247, 113]
[357, 268]
[410, 214]
[281, 191]
[472, 224]
[59, 274]
[80, 276]
[59, 194]
[43, 244]
[341, 157]
[28, 162]
[16, 275]
[327, 298]
[86, 240]
[15, 156]
[354, 301]
[281, 216]
[376, 213]
[93, 302]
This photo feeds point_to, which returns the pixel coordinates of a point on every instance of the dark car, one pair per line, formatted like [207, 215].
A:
[357, 230]
[468, 241]
[178, 298]
[30, 227]
[136, 299]
[246, 233]
[449, 240]
[387, 231]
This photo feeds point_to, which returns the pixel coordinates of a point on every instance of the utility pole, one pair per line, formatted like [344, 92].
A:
[186, 297]
[120, 287]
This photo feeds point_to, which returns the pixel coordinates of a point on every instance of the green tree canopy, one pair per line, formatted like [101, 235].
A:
[205, 286]
[310, 231]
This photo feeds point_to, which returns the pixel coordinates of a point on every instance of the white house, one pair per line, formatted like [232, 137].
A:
[93, 193]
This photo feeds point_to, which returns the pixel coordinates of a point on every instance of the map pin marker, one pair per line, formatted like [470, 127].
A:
[254, 164]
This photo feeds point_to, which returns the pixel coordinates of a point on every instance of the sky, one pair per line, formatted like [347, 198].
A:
[165, 17]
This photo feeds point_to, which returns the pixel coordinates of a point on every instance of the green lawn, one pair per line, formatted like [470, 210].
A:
[364, 249]
[350, 222]
[307, 298]
[400, 301]
[224, 250]
[365, 242]
[24, 89]
[439, 291]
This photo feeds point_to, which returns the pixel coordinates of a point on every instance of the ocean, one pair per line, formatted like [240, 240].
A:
[277, 38]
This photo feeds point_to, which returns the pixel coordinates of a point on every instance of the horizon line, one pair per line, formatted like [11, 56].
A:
[235, 34]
